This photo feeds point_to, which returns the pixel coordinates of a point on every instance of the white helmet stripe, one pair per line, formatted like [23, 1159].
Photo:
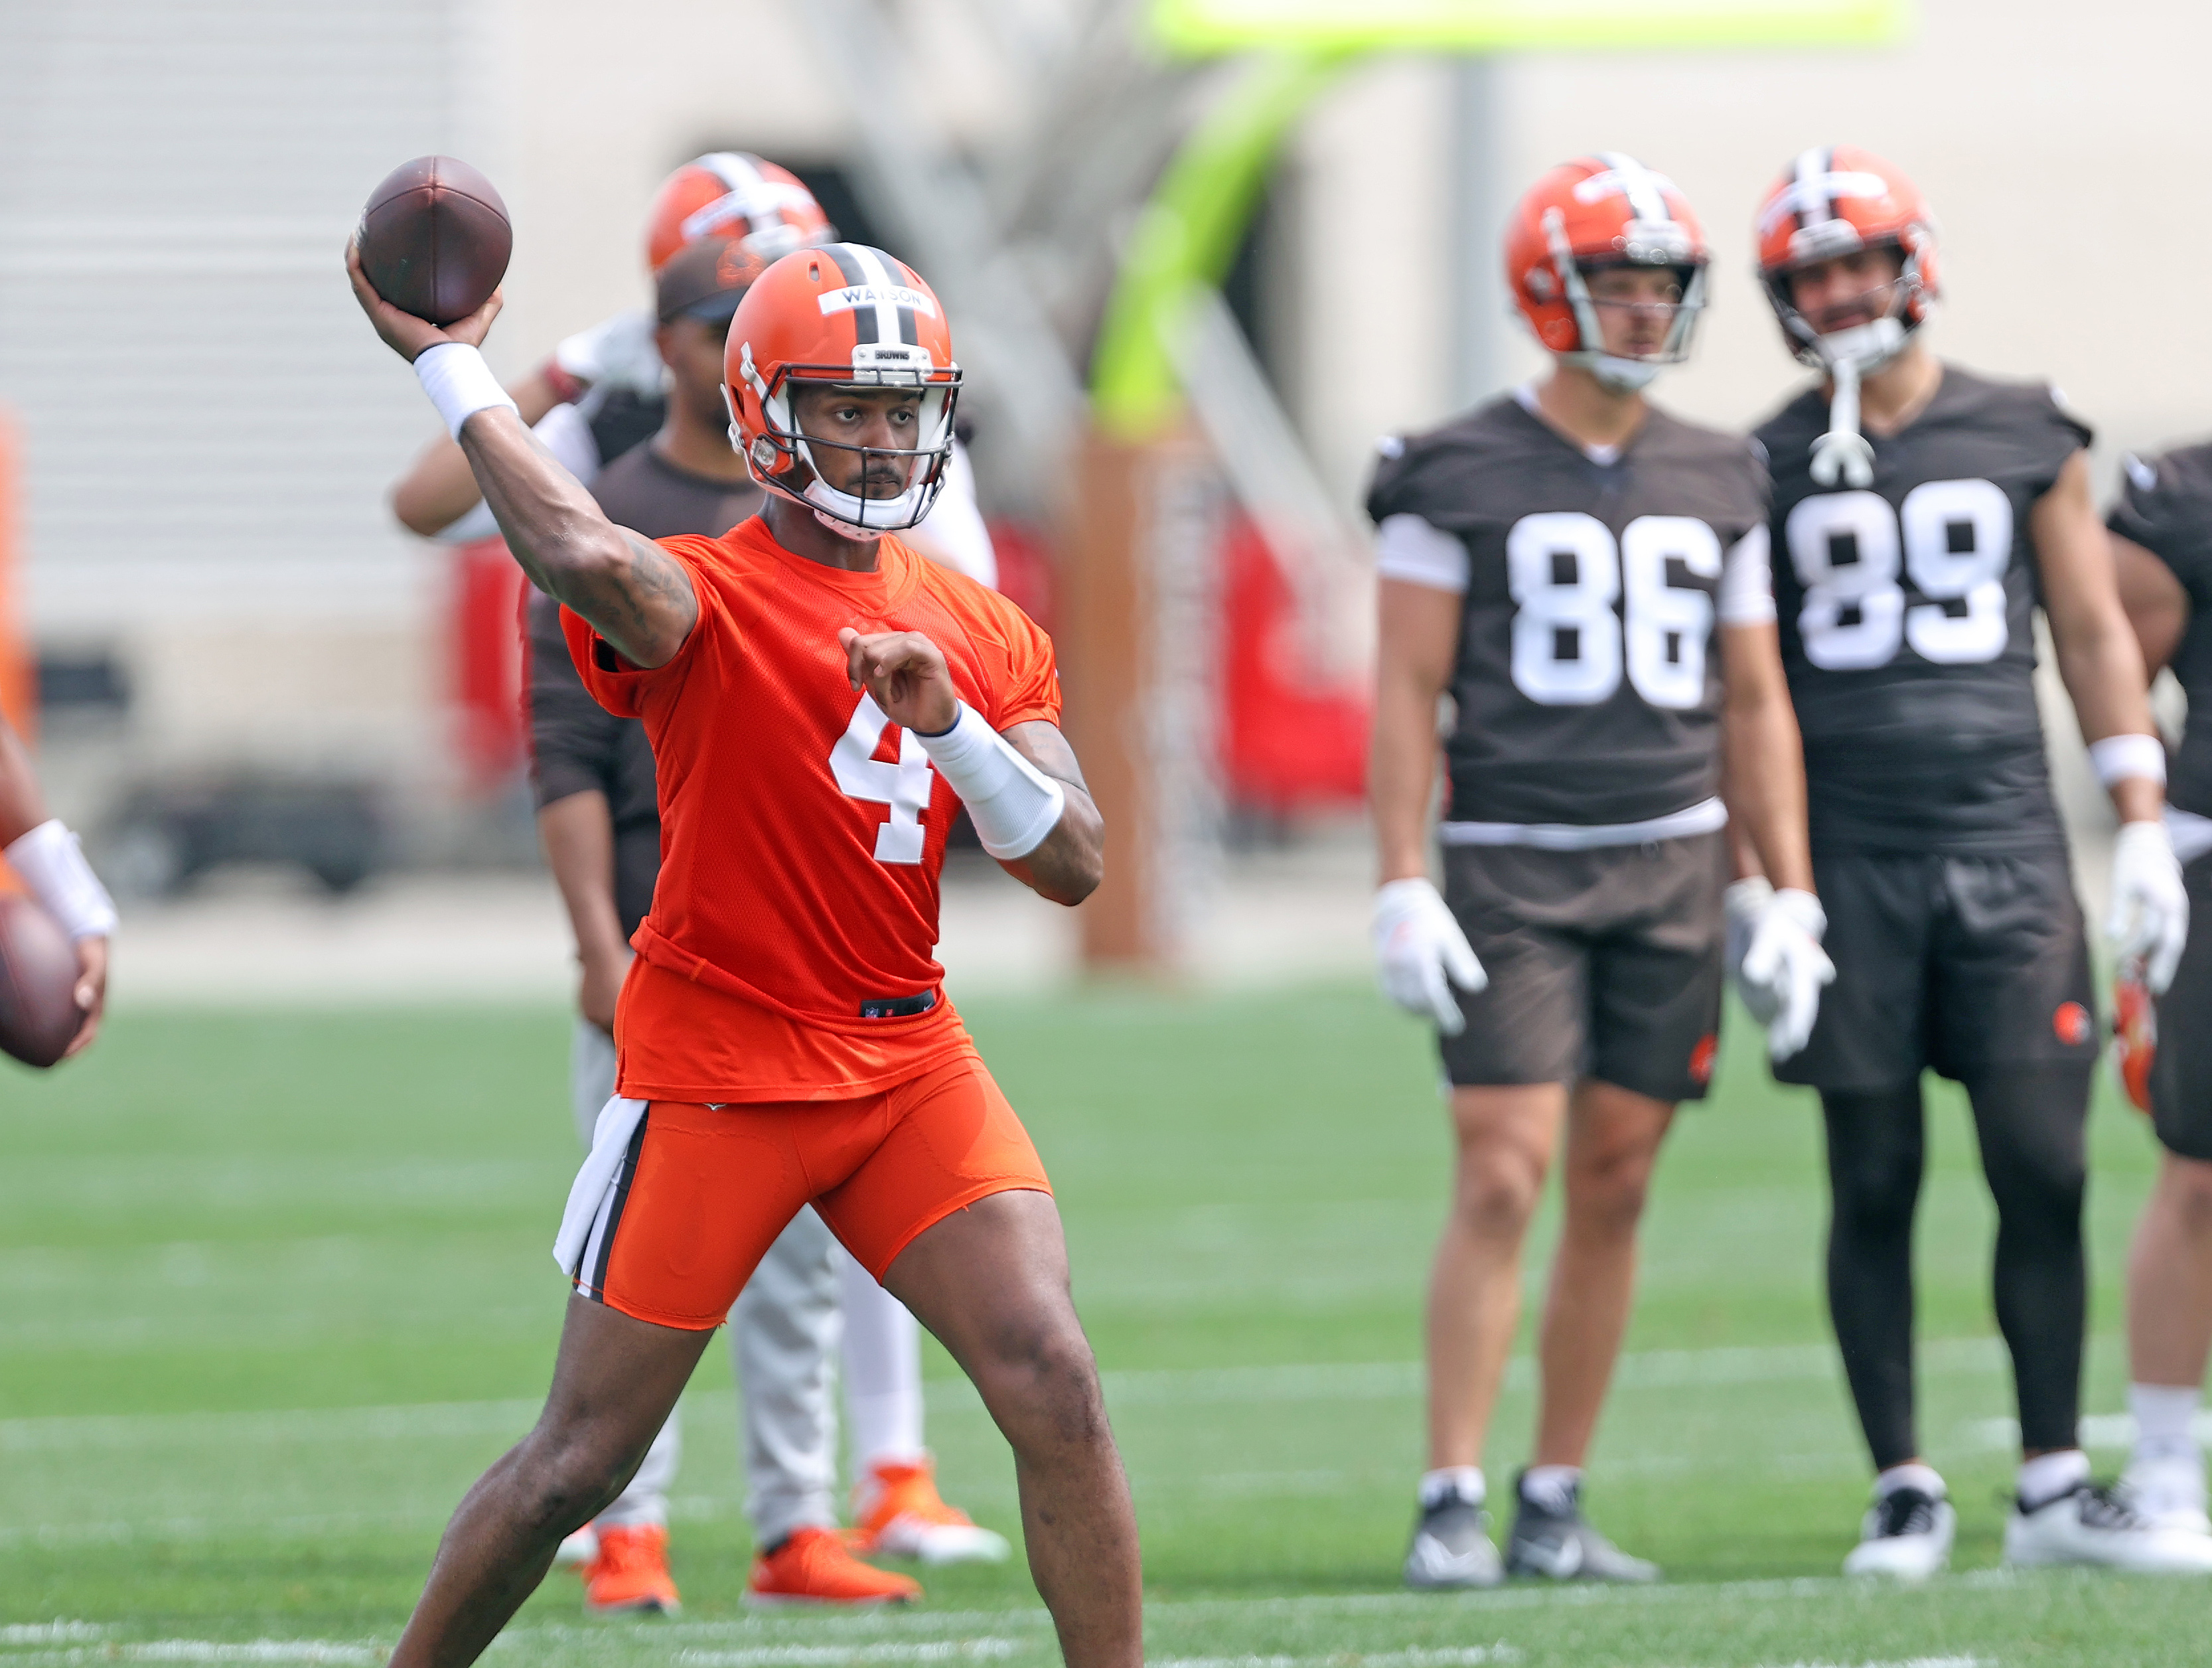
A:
[1647, 199]
[872, 266]
[1811, 196]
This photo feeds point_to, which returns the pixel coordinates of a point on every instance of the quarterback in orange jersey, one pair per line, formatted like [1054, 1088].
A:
[817, 695]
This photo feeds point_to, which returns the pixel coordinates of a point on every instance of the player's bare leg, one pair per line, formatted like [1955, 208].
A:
[1613, 1140]
[614, 1383]
[1507, 1135]
[991, 1282]
[2170, 1277]
[2169, 1339]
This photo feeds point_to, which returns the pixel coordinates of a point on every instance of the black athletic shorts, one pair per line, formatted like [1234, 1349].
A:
[2181, 1070]
[1603, 963]
[1958, 962]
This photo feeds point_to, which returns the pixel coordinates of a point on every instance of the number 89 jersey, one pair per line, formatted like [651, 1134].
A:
[1907, 620]
[1587, 678]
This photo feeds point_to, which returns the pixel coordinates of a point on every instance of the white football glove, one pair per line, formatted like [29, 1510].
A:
[1420, 953]
[2149, 918]
[615, 353]
[1774, 955]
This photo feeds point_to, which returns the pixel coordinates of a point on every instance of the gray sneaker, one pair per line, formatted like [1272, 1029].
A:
[1451, 1548]
[1562, 1547]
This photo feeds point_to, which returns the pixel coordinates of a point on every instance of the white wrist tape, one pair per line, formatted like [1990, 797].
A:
[53, 866]
[1012, 804]
[2118, 756]
[459, 383]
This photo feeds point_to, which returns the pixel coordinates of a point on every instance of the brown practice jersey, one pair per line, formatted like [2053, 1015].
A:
[1587, 678]
[575, 744]
[1907, 620]
[2165, 507]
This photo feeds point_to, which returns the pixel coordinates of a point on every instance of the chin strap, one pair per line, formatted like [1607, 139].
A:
[1844, 452]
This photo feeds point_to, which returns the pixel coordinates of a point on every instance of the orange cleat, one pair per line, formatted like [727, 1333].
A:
[899, 1512]
[630, 1574]
[812, 1566]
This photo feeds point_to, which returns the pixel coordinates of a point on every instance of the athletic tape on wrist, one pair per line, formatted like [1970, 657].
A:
[51, 864]
[459, 383]
[1012, 804]
[2118, 756]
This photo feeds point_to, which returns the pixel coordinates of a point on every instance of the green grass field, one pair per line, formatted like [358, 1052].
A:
[275, 1286]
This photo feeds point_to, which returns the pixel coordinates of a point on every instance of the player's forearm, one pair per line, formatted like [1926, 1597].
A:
[1763, 769]
[1401, 776]
[441, 488]
[578, 834]
[22, 806]
[634, 593]
[1068, 863]
[2102, 669]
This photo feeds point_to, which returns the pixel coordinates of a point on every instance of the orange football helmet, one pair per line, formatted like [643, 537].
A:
[1605, 210]
[2134, 1035]
[842, 316]
[733, 194]
[1835, 201]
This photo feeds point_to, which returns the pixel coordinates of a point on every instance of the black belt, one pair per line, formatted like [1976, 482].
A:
[898, 1007]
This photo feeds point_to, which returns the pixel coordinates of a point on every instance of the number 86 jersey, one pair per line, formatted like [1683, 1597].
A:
[1587, 678]
[1907, 613]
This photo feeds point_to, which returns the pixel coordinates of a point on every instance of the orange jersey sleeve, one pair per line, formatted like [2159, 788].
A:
[802, 834]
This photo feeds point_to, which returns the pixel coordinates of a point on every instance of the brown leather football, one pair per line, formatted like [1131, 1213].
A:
[38, 1013]
[435, 239]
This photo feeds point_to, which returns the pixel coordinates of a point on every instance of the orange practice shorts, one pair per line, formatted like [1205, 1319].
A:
[704, 1190]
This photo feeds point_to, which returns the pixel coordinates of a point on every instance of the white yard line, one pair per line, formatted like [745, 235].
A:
[311, 1650]
[837, 1655]
[1466, 1657]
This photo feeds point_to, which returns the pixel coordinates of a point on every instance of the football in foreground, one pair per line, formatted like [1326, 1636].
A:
[38, 1013]
[435, 239]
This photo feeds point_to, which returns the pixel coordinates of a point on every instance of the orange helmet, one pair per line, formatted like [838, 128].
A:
[2134, 1035]
[730, 193]
[1605, 209]
[842, 316]
[1836, 201]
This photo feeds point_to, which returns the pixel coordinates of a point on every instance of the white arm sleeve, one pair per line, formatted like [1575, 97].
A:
[567, 434]
[952, 534]
[1419, 552]
[1747, 582]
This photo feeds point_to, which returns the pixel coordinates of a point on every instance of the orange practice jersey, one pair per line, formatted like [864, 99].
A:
[801, 832]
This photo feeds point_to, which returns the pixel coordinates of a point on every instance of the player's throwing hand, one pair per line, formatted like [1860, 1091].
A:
[1420, 952]
[403, 332]
[906, 674]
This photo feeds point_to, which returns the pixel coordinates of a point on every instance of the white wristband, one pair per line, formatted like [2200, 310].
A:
[459, 383]
[1012, 804]
[2118, 756]
[53, 866]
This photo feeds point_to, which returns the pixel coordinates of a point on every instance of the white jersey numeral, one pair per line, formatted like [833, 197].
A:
[1954, 538]
[1564, 574]
[905, 786]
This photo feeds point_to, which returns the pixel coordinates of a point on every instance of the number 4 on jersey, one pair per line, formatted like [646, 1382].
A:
[905, 786]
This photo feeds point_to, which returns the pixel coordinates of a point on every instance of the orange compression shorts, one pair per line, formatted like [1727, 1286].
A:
[704, 1190]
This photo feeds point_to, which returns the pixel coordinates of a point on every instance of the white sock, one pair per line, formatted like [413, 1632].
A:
[1452, 1483]
[1913, 1475]
[883, 1372]
[2047, 1477]
[2164, 1415]
[1553, 1487]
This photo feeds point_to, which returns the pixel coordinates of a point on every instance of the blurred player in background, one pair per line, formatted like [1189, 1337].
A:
[599, 822]
[1586, 576]
[785, 1036]
[2162, 543]
[45, 857]
[1921, 513]
[604, 389]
